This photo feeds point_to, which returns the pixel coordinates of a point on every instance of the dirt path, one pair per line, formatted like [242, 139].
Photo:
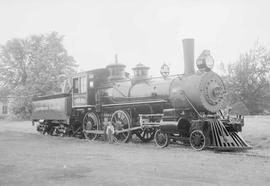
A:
[27, 158]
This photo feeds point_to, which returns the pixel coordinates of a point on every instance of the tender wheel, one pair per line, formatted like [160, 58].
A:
[90, 122]
[121, 121]
[161, 139]
[146, 134]
[197, 140]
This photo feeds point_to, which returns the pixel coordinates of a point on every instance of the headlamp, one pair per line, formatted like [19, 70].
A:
[205, 61]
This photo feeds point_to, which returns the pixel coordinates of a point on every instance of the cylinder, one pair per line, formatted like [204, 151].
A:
[188, 51]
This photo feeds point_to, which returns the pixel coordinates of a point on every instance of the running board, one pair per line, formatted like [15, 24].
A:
[116, 131]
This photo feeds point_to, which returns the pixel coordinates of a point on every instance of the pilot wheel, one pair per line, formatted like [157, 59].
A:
[197, 140]
[161, 139]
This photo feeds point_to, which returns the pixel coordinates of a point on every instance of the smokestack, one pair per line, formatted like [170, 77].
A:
[188, 49]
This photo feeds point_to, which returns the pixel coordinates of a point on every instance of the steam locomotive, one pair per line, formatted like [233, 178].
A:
[183, 108]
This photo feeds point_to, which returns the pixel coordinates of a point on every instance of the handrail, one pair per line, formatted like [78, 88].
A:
[183, 92]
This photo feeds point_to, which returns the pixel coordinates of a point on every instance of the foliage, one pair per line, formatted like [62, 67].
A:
[248, 79]
[36, 65]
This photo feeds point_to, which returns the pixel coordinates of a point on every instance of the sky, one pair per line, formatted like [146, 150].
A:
[141, 31]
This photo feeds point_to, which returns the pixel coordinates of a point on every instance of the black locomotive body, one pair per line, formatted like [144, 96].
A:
[182, 108]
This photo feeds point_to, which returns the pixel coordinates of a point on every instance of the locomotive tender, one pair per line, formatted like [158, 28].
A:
[183, 108]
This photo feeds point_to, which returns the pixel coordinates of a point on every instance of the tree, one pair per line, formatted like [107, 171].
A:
[36, 65]
[248, 78]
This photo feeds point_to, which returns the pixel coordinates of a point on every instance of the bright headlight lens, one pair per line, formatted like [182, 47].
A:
[209, 62]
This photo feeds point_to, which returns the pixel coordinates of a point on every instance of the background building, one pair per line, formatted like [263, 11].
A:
[3, 108]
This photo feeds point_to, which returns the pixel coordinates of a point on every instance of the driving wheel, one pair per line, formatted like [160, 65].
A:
[121, 122]
[90, 122]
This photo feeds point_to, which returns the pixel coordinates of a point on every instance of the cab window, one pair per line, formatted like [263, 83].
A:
[76, 85]
[83, 85]
[80, 85]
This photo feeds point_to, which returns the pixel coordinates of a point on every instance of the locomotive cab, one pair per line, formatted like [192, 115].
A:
[85, 86]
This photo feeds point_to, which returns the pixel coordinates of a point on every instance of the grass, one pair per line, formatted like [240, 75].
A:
[257, 131]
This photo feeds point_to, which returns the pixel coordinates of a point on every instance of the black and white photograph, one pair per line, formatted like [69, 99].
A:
[134, 93]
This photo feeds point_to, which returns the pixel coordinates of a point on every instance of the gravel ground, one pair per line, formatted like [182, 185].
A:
[28, 158]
